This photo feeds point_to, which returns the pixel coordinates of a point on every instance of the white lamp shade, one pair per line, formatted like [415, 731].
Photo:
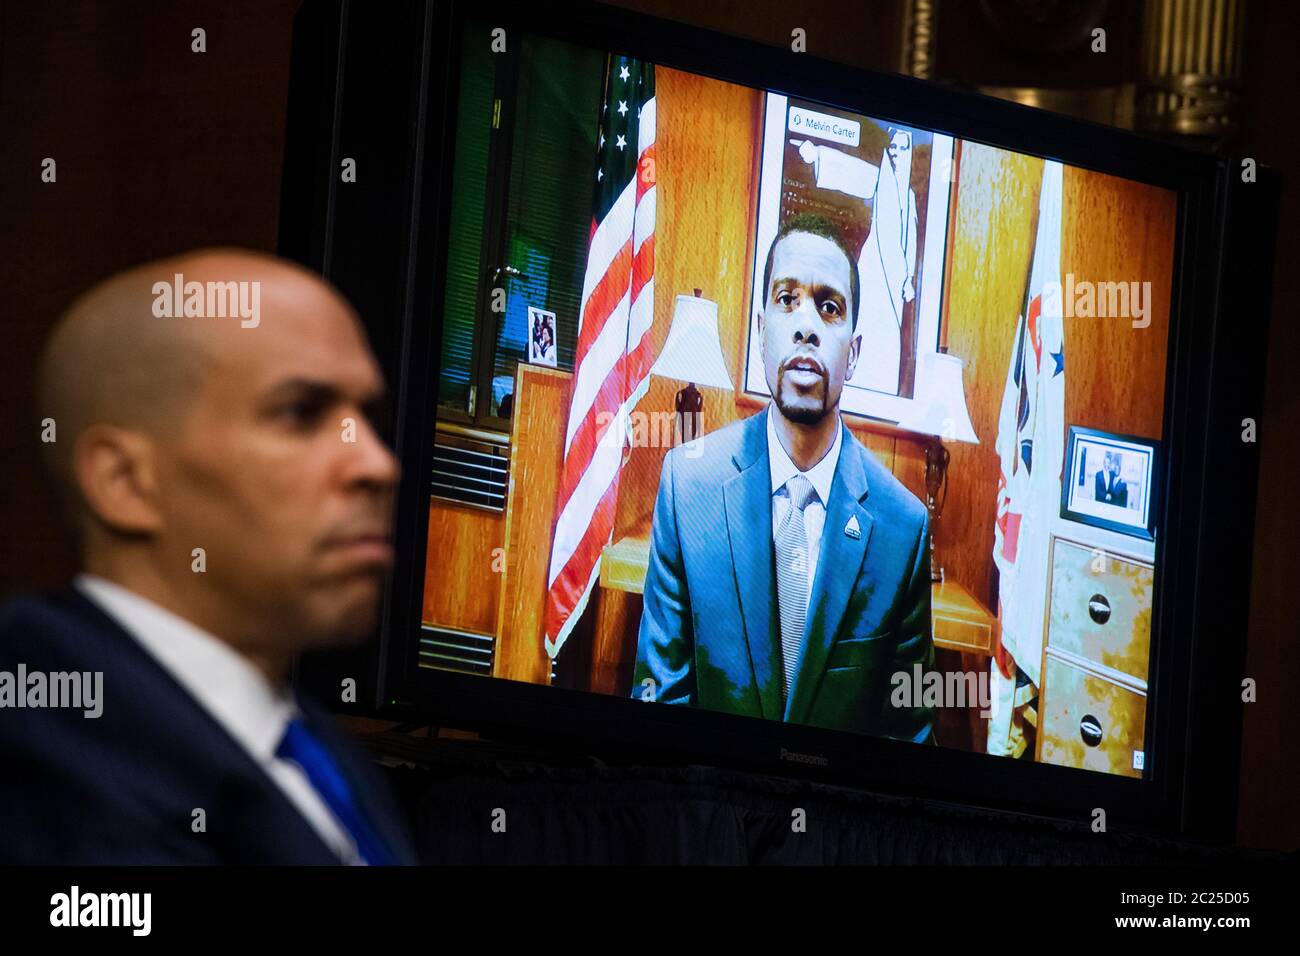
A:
[692, 352]
[940, 404]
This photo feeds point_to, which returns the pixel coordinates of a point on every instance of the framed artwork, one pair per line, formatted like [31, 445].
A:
[886, 187]
[1110, 481]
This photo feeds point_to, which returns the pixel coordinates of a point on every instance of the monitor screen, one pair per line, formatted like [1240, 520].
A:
[754, 404]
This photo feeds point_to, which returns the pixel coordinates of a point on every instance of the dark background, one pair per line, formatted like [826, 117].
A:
[160, 150]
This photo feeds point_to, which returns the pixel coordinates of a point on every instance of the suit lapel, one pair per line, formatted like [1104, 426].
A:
[841, 557]
[748, 501]
[263, 807]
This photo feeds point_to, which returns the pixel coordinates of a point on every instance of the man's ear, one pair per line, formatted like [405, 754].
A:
[758, 317]
[117, 472]
[855, 345]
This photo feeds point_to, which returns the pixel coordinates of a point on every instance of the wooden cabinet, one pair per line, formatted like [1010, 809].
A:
[1096, 658]
[1091, 721]
[1100, 607]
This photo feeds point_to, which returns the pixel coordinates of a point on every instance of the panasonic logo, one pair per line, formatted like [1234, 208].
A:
[816, 760]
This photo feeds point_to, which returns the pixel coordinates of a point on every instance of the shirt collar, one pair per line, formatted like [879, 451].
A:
[783, 469]
[241, 698]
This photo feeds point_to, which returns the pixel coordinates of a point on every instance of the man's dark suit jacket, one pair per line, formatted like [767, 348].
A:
[709, 630]
[122, 788]
[1118, 492]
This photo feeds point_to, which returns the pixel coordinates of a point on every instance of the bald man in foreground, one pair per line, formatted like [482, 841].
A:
[231, 504]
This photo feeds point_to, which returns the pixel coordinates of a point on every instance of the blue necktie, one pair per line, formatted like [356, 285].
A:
[302, 747]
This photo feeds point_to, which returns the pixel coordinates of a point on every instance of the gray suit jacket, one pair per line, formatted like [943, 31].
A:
[709, 633]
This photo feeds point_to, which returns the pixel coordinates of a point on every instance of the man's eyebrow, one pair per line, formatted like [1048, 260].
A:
[321, 391]
[824, 291]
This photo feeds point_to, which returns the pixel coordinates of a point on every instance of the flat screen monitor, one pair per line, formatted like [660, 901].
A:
[777, 409]
[775, 413]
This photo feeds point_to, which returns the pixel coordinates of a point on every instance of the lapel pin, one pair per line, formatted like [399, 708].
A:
[852, 529]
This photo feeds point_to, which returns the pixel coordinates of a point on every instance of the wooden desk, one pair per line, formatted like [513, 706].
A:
[623, 565]
[961, 622]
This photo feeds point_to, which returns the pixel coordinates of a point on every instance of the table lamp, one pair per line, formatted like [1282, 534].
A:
[692, 354]
[938, 412]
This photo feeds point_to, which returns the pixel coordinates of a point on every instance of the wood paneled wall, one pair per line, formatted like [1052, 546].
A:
[458, 562]
[159, 150]
[1117, 231]
[997, 197]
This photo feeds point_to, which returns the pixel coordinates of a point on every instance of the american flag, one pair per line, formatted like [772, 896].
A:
[612, 360]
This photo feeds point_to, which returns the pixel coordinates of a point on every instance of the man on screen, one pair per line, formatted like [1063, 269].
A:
[789, 573]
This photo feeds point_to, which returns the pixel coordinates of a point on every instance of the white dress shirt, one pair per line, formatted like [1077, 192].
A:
[238, 696]
[821, 475]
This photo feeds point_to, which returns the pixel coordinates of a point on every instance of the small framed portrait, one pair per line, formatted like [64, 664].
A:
[1110, 482]
[541, 337]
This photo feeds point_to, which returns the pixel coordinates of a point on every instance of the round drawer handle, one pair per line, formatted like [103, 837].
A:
[1099, 609]
[1090, 730]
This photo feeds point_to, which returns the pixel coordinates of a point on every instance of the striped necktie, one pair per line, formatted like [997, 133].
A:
[792, 577]
[302, 747]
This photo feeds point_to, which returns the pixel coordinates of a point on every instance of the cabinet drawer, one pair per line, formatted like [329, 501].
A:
[1091, 722]
[1101, 615]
